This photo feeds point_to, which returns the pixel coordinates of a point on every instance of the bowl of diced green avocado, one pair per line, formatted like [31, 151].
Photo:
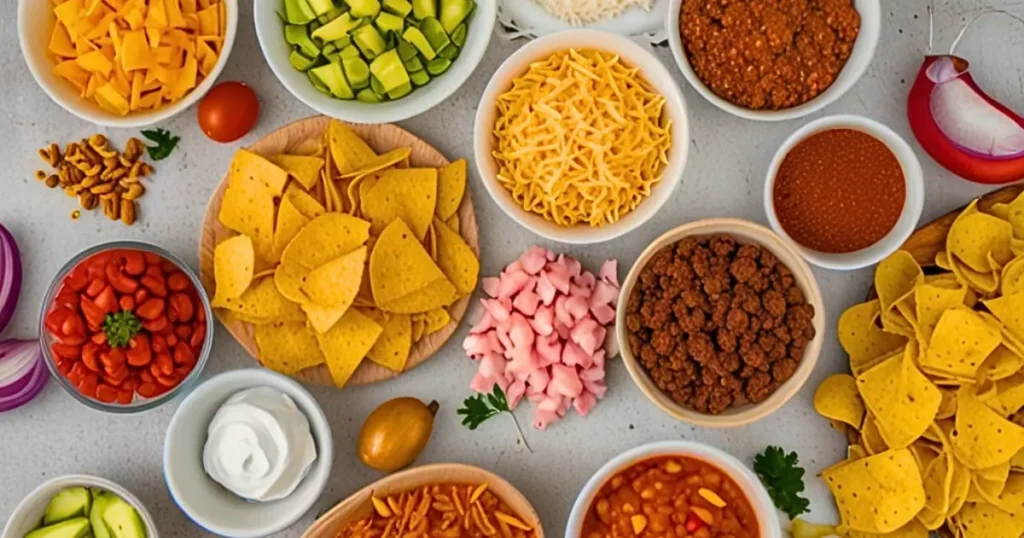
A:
[80, 506]
[373, 61]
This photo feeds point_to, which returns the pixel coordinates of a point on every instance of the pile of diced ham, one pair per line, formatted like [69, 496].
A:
[543, 333]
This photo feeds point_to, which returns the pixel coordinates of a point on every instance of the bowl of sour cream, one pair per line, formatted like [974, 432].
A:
[247, 453]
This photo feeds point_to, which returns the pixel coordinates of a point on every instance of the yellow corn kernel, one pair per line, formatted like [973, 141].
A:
[381, 507]
[711, 497]
[639, 523]
[703, 514]
[628, 509]
[647, 493]
[673, 467]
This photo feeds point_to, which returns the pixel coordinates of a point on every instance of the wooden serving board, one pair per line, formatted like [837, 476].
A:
[299, 137]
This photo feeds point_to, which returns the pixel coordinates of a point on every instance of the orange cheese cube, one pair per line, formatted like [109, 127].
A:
[206, 56]
[188, 7]
[209, 21]
[83, 46]
[115, 38]
[156, 15]
[60, 42]
[102, 27]
[95, 81]
[203, 4]
[115, 4]
[153, 34]
[175, 18]
[222, 10]
[109, 98]
[136, 95]
[92, 6]
[73, 73]
[135, 53]
[68, 13]
[95, 62]
[150, 100]
[162, 55]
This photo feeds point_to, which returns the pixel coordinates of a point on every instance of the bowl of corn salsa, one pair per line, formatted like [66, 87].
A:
[673, 489]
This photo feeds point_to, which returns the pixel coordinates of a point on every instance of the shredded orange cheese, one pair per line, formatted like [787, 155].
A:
[581, 138]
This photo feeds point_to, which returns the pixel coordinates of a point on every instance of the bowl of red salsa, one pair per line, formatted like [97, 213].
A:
[125, 326]
[846, 190]
[673, 489]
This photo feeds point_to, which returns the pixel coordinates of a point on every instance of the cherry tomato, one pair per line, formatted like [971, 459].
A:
[228, 111]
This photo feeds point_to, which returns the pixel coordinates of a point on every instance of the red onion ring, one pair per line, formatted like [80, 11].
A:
[10, 276]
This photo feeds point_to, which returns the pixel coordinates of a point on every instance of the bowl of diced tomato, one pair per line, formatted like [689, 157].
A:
[125, 327]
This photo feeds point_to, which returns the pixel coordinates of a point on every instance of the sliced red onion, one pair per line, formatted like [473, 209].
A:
[37, 377]
[10, 276]
[17, 357]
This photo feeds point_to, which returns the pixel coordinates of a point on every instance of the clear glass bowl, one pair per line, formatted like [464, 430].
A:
[139, 404]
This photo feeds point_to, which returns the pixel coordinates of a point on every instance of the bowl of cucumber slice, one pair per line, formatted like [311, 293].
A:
[80, 506]
[373, 61]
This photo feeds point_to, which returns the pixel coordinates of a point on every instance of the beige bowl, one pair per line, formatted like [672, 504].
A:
[744, 232]
[359, 505]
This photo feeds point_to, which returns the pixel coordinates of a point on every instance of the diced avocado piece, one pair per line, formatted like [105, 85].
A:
[300, 61]
[453, 12]
[298, 12]
[422, 9]
[122, 519]
[416, 38]
[329, 48]
[356, 70]
[367, 96]
[99, 505]
[69, 503]
[402, 8]
[350, 51]
[342, 43]
[317, 84]
[338, 28]
[321, 7]
[313, 25]
[451, 52]
[369, 41]
[401, 91]
[334, 13]
[364, 8]
[438, 66]
[296, 35]
[387, 22]
[334, 56]
[330, 75]
[419, 78]
[405, 50]
[388, 69]
[77, 527]
[413, 64]
[459, 35]
[378, 88]
[434, 33]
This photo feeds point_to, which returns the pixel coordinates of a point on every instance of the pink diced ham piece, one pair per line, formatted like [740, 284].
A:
[604, 294]
[573, 355]
[584, 403]
[549, 349]
[527, 303]
[490, 286]
[604, 314]
[565, 381]
[512, 283]
[545, 289]
[534, 259]
[576, 306]
[559, 277]
[496, 309]
[515, 392]
[586, 280]
[543, 320]
[588, 334]
[478, 345]
[485, 324]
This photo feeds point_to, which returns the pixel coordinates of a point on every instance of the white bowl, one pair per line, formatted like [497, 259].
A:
[912, 206]
[633, 54]
[29, 512]
[742, 231]
[206, 502]
[35, 23]
[270, 31]
[860, 58]
[748, 482]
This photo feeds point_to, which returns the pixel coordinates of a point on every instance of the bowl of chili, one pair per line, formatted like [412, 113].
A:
[758, 63]
[846, 190]
[675, 489]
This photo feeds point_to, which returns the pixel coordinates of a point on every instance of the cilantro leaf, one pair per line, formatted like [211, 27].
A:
[120, 328]
[477, 409]
[783, 478]
[165, 143]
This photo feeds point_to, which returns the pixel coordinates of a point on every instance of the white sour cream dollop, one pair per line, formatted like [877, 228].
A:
[258, 445]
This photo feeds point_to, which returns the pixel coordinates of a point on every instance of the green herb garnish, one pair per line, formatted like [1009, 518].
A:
[783, 478]
[479, 408]
[165, 143]
[120, 328]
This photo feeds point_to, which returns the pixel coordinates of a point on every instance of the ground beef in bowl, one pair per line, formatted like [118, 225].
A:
[717, 323]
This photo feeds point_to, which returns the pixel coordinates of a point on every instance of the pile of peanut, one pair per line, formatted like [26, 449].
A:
[98, 175]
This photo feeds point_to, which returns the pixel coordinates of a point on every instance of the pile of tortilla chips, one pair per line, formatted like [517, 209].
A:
[343, 254]
[937, 390]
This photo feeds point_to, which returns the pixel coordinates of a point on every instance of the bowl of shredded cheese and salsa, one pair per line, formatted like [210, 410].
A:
[581, 136]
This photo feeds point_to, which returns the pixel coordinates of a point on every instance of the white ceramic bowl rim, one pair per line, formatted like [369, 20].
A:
[913, 204]
[651, 69]
[767, 516]
[860, 58]
[293, 507]
[40, 64]
[15, 527]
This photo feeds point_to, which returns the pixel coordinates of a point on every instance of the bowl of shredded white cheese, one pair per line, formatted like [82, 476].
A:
[623, 17]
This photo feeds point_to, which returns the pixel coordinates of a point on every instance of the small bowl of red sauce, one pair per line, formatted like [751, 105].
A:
[674, 489]
[846, 190]
[125, 327]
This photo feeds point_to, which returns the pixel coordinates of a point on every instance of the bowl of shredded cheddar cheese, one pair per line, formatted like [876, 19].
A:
[581, 136]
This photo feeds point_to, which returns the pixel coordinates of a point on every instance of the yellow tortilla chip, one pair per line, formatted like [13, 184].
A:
[1012, 497]
[289, 279]
[408, 194]
[981, 520]
[435, 320]
[249, 210]
[1009, 395]
[947, 407]
[454, 223]
[247, 166]
[287, 347]
[1009, 310]
[345, 345]
[233, 262]
[879, 493]
[862, 339]
[348, 151]
[959, 345]
[306, 204]
[895, 277]
[451, 187]
[366, 184]
[984, 283]
[380, 162]
[982, 438]
[289, 222]
[871, 436]
[979, 239]
[392, 348]
[437, 294]
[988, 483]
[400, 266]
[937, 478]
[336, 282]
[837, 398]
[1001, 363]
[304, 168]
[261, 301]
[418, 325]
[902, 400]
[326, 238]
[1012, 278]
[456, 259]
[931, 302]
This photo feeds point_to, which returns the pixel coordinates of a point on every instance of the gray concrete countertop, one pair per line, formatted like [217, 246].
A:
[54, 435]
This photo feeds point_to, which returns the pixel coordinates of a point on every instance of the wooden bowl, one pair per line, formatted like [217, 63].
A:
[742, 231]
[359, 505]
[298, 137]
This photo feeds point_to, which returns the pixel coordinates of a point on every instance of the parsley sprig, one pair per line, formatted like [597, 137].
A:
[165, 143]
[121, 327]
[479, 408]
[783, 478]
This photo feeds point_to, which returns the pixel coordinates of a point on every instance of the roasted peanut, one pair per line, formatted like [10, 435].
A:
[127, 211]
[134, 191]
[52, 181]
